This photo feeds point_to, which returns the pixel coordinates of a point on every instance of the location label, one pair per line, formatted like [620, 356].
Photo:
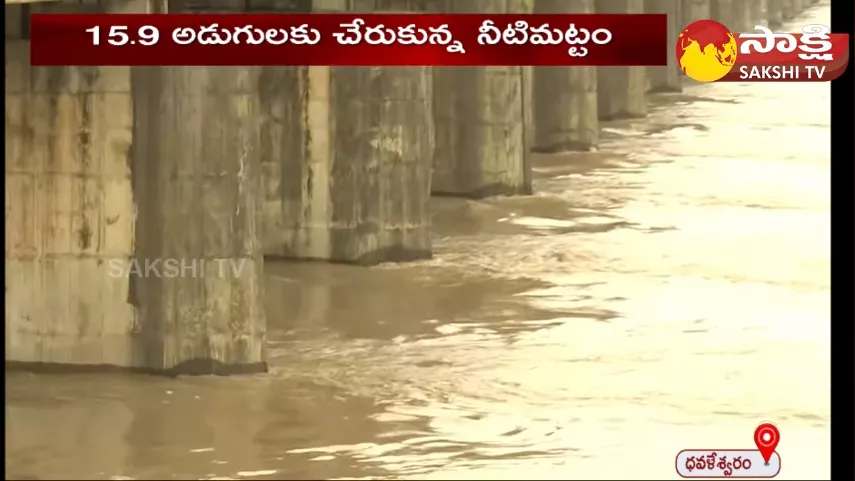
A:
[766, 437]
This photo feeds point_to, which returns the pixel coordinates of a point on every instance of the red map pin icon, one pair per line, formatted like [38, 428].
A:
[766, 437]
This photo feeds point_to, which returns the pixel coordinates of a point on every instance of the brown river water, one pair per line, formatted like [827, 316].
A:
[668, 292]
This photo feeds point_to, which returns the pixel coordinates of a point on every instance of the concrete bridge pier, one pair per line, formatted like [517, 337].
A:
[774, 13]
[482, 117]
[197, 186]
[621, 91]
[565, 98]
[132, 215]
[670, 77]
[799, 6]
[348, 154]
[347, 163]
[69, 211]
[693, 10]
[735, 14]
[756, 15]
[788, 9]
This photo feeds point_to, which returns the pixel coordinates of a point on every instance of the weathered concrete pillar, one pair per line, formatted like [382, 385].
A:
[798, 7]
[565, 98]
[668, 78]
[348, 154]
[132, 211]
[693, 10]
[735, 14]
[720, 11]
[197, 192]
[756, 15]
[743, 21]
[69, 211]
[788, 10]
[480, 120]
[621, 91]
[775, 13]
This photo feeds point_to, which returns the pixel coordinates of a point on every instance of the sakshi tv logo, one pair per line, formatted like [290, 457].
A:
[708, 51]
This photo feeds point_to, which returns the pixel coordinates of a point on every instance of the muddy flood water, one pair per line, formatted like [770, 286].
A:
[668, 292]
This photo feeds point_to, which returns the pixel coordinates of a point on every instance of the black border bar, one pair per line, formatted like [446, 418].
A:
[842, 259]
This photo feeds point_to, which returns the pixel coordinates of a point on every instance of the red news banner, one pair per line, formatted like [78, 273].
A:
[347, 39]
[812, 55]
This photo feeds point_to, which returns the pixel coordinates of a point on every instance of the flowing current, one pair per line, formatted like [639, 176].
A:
[668, 292]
